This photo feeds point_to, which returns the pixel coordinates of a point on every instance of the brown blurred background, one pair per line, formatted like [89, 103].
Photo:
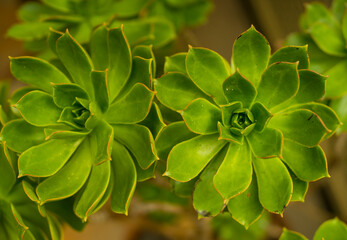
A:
[275, 19]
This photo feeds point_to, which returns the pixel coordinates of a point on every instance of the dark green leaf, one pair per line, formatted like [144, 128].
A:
[139, 140]
[124, 178]
[101, 138]
[64, 95]
[99, 80]
[261, 115]
[228, 110]
[225, 134]
[146, 52]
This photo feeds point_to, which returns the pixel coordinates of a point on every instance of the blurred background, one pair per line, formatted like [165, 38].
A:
[155, 213]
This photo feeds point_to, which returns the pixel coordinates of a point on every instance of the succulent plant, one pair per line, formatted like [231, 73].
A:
[325, 32]
[329, 230]
[78, 118]
[146, 22]
[20, 217]
[250, 132]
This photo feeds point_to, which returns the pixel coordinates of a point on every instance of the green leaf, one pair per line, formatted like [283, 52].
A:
[331, 229]
[312, 87]
[38, 109]
[329, 39]
[292, 54]
[61, 5]
[129, 8]
[99, 48]
[214, 203]
[64, 95]
[302, 126]
[317, 12]
[133, 107]
[99, 80]
[266, 144]
[274, 184]
[145, 174]
[279, 83]
[290, 235]
[183, 189]
[336, 83]
[326, 114]
[28, 31]
[237, 88]
[19, 135]
[54, 227]
[47, 158]
[187, 159]
[139, 140]
[338, 8]
[7, 174]
[176, 90]
[76, 172]
[101, 138]
[52, 38]
[94, 189]
[261, 115]
[76, 61]
[120, 61]
[141, 73]
[146, 52]
[228, 110]
[36, 72]
[246, 208]
[176, 63]
[124, 178]
[154, 120]
[202, 117]
[308, 164]
[171, 135]
[299, 188]
[208, 70]
[339, 107]
[251, 53]
[30, 191]
[235, 173]
[31, 11]
[225, 134]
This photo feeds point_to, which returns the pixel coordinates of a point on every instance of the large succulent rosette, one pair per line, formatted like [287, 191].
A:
[146, 22]
[325, 32]
[250, 132]
[82, 133]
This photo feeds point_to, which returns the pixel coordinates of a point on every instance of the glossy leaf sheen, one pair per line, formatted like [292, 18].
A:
[274, 184]
[187, 159]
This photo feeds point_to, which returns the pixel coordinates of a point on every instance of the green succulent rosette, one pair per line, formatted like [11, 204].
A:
[20, 217]
[83, 132]
[325, 32]
[250, 132]
[329, 230]
[146, 22]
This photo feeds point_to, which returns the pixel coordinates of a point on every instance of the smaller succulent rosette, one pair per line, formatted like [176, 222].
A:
[146, 22]
[250, 132]
[331, 229]
[83, 130]
[325, 32]
[20, 217]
